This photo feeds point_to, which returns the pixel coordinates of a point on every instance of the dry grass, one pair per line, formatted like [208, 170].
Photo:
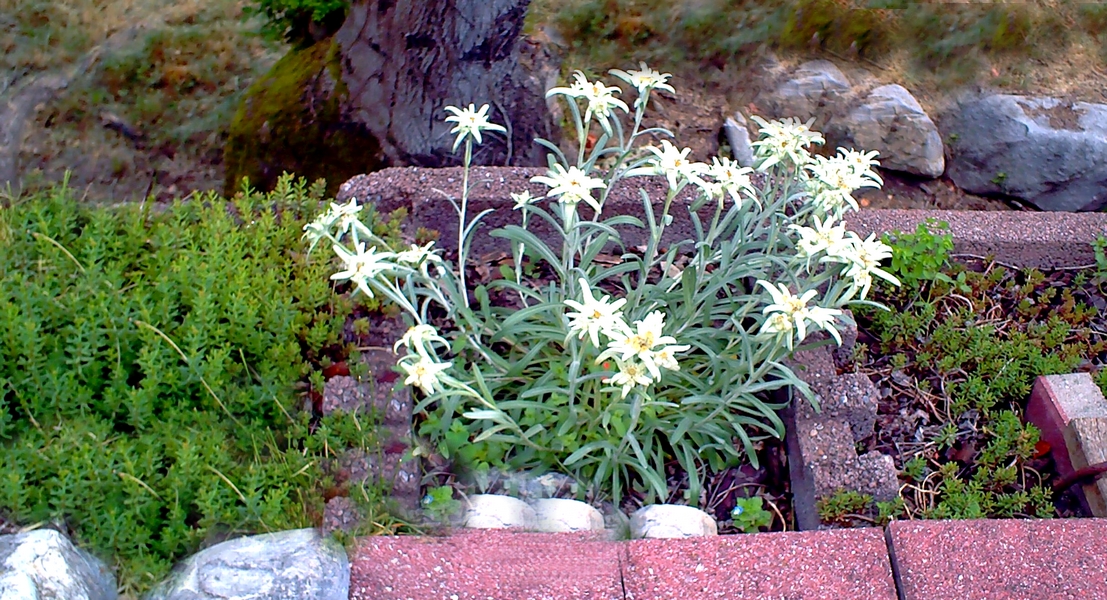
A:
[1055, 47]
[151, 112]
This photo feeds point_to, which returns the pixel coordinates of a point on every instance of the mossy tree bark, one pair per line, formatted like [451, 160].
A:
[404, 61]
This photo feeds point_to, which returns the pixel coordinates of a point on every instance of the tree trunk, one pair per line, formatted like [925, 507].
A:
[404, 61]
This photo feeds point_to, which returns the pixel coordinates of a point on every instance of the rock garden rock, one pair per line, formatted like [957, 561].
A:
[887, 119]
[288, 564]
[560, 515]
[890, 121]
[492, 511]
[526, 486]
[1044, 151]
[814, 89]
[737, 132]
[44, 565]
[671, 521]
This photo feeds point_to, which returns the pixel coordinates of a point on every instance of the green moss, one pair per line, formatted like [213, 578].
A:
[291, 121]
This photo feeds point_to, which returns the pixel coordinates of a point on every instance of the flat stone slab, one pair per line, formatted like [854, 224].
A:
[1000, 559]
[1021, 238]
[843, 563]
[487, 564]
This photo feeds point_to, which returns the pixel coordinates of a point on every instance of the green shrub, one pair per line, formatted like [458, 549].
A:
[301, 22]
[920, 257]
[148, 361]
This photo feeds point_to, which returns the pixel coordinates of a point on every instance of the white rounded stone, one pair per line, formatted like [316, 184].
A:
[286, 564]
[492, 511]
[671, 521]
[558, 515]
[44, 564]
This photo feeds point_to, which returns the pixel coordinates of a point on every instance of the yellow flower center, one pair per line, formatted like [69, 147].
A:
[641, 343]
[795, 305]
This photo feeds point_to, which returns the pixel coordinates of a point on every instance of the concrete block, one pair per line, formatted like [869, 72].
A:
[1056, 403]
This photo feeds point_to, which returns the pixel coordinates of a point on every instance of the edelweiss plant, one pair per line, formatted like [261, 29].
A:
[610, 372]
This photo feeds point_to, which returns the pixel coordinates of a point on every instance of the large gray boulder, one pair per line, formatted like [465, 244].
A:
[1043, 151]
[44, 565]
[813, 89]
[887, 118]
[289, 564]
[890, 121]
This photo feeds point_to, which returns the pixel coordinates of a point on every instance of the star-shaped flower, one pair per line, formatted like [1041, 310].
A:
[571, 186]
[594, 317]
[470, 122]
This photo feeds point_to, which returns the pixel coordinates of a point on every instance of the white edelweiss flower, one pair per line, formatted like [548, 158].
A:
[865, 257]
[666, 359]
[644, 80]
[824, 318]
[671, 163]
[785, 140]
[601, 100]
[320, 227]
[833, 181]
[417, 338]
[424, 372]
[862, 281]
[642, 343]
[362, 265]
[523, 200]
[630, 374]
[346, 215]
[823, 237]
[779, 324]
[862, 163]
[577, 89]
[594, 317]
[470, 122]
[571, 186]
[418, 255]
[795, 308]
[734, 178]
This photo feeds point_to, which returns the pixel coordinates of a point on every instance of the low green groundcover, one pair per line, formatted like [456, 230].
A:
[148, 364]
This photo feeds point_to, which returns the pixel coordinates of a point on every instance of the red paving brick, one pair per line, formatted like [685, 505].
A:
[841, 564]
[484, 565]
[1001, 560]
